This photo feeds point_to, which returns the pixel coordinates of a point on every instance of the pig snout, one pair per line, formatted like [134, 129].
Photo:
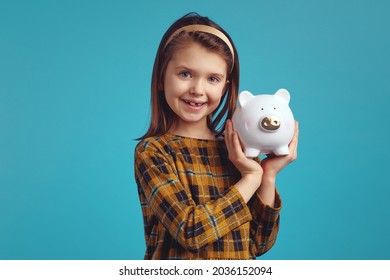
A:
[270, 123]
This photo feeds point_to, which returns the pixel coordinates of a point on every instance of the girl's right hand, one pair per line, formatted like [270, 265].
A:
[246, 166]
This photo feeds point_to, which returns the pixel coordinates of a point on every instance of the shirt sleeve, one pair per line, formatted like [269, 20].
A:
[265, 224]
[193, 226]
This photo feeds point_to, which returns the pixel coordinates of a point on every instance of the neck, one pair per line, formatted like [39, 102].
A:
[193, 131]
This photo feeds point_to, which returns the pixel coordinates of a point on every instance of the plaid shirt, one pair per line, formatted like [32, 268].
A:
[191, 209]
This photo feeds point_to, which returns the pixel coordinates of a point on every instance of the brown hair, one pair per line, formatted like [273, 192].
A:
[162, 117]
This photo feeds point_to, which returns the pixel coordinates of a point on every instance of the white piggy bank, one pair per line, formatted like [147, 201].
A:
[264, 123]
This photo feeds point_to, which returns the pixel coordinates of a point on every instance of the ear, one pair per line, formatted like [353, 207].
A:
[283, 93]
[244, 97]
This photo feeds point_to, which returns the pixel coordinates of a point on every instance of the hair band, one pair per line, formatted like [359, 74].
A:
[206, 29]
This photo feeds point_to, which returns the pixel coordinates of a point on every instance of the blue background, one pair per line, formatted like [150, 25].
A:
[74, 93]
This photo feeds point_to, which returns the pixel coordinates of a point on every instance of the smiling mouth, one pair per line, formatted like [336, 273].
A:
[194, 104]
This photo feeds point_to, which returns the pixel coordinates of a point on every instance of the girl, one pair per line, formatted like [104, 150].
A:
[201, 198]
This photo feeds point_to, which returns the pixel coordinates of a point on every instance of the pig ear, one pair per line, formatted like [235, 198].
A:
[244, 97]
[283, 93]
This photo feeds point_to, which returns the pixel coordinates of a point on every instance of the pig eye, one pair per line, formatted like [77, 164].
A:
[262, 109]
[274, 108]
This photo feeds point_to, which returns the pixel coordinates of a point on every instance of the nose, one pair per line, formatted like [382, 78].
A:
[197, 88]
[270, 123]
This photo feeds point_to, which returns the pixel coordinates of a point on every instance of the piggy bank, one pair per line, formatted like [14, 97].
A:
[264, 123]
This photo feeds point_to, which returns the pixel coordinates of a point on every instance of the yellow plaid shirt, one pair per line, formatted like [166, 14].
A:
[191, 209]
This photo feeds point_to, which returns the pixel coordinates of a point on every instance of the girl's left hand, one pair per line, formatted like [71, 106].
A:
[272, 165]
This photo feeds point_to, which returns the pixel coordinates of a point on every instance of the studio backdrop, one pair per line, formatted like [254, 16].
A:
[75, 93]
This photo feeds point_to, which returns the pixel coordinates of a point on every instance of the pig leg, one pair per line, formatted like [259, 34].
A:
[282, 151]
[252, 152]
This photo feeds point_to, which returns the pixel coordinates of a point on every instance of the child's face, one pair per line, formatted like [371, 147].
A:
[194, 83]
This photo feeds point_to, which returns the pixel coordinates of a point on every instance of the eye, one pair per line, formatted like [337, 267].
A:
[262, 109]
[213, 79]
[274, 108]
[185, 74]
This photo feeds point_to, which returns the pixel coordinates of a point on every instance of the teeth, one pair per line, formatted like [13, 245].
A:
[193, 103]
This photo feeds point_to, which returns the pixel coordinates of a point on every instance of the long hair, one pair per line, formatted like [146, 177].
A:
[162, 117]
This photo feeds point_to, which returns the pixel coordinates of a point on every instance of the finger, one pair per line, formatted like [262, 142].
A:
[236, 143]
[296, 132]
[228, 134]
[229, 137]
[233, 141]
[293, 147]
[294, 140]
